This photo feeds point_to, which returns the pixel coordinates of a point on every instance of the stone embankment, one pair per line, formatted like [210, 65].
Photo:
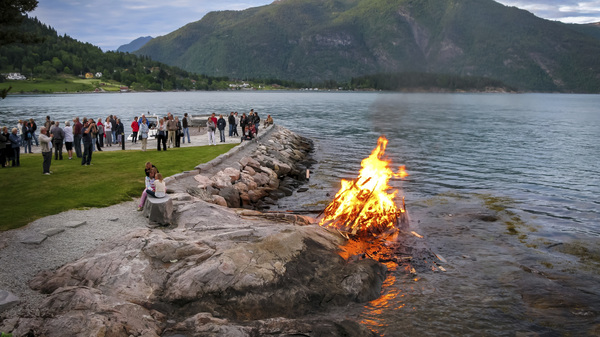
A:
[220, 269]
[251, 178]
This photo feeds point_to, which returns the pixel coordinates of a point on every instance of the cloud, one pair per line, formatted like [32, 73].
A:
[570, 11]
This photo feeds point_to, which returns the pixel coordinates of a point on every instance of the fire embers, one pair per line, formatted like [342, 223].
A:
[363, 207]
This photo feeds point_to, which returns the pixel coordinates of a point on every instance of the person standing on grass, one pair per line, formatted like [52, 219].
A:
[58, 136]
[108, 131]
[3, 141]
[15, 143]
[68, 130]
[77, 126]
[33, 129]
[186, 127]
[135, 128]
[86, 132]
[144, 129]
[100, 126]
[26, 136]
[8, 152]
[46, 150]
[161, 135]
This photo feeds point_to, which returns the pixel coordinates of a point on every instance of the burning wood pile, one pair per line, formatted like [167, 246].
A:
[363, 207]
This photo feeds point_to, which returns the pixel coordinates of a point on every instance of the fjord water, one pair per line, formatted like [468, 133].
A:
[541, 151]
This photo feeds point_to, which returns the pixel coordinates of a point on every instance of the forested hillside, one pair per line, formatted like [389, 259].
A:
[321, 40]
[45, 54]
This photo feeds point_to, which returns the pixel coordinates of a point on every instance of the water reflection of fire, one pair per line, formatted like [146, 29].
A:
[363, 207]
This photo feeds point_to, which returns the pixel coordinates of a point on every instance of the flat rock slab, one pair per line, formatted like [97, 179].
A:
[7, 300]
[34, 239]
[75, 224]
[52, 231]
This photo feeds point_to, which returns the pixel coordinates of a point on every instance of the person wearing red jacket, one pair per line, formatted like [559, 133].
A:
[135, 127]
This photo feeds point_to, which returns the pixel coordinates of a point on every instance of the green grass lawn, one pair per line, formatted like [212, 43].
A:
[64, 83]
[113, 177]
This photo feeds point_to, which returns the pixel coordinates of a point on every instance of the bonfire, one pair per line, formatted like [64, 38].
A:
[363, 207]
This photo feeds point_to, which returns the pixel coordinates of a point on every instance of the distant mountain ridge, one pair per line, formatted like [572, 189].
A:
[320, 40]
[135, 44]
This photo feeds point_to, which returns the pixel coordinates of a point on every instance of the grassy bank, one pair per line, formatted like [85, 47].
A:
[63, 83]
[113, 177]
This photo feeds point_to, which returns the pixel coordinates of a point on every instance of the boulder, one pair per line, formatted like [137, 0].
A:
[249, 170]
[231, 196]
[203, 181]
[261, 179]
[249, 161]
[159, 211]
[233, 173]
[219, 200]
[7, 300]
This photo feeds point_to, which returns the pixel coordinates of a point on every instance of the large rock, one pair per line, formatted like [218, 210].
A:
[7, 300]
[203, 181]
[231, 196]
[159, 211]
[220, 272]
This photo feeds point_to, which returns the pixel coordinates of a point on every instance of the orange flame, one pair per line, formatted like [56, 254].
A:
[363, 205]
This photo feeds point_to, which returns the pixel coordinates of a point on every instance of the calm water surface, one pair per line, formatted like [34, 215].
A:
[540, 150]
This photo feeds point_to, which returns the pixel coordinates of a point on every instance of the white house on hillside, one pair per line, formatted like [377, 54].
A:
[15, 76]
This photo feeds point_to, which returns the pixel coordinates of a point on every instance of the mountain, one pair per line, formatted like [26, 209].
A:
[319, 40]
[135, 44]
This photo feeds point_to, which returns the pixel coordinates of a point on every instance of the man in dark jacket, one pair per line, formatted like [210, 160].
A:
[77, 127]
[231, 121]
[221, 126]
[58, 136]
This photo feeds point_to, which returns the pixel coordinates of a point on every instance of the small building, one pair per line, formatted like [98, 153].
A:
[89, 75]
[15, 76]
[124, 89]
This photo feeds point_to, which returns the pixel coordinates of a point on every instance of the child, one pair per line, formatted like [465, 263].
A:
[161, 188]
[149, 188]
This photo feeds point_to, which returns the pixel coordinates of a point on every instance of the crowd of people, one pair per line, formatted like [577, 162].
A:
[81, 138]
[249, 125]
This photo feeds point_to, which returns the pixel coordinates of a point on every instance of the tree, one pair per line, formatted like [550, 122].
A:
[11, 15]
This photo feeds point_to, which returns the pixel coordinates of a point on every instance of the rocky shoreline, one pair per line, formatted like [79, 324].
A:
[221, 267]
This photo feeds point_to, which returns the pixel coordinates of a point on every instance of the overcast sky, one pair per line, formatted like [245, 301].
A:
[109, 24]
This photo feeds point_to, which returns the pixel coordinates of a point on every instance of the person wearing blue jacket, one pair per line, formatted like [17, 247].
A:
[15, 142]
